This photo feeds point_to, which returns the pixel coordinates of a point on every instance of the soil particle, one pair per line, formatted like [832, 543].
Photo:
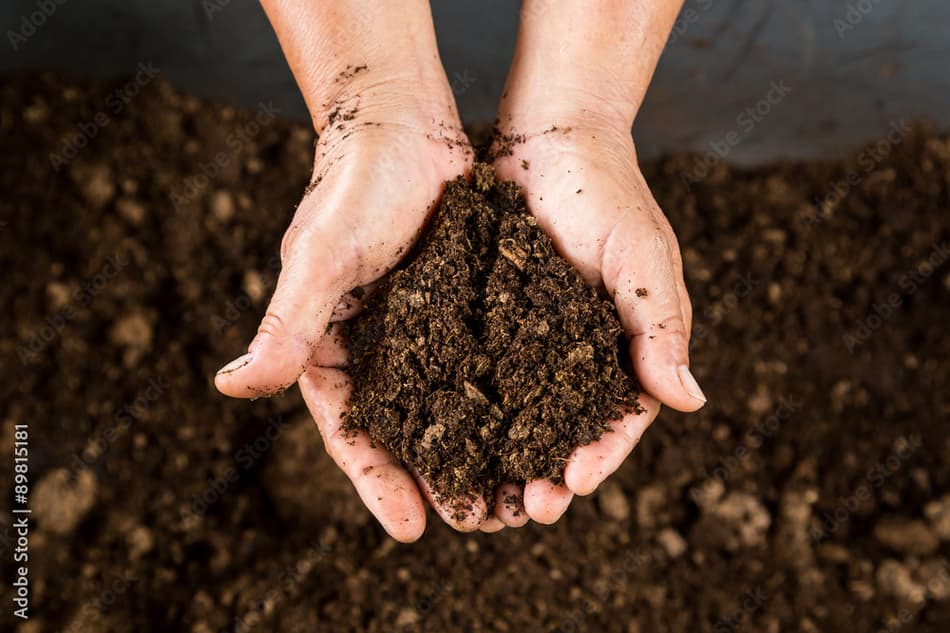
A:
[794, 520]
[938, 513]
[707, 492]
[504, 144]
[254, 285]
[141, 541]
[134, 333]
[407, 617]
[934, 575]
[222, 206]
[738, 520]
[94, 182]
[132, 330]
[612, 501]
[58, 295]
[907, 536]
[672, 542]
[131, 209]
[894, 579]
[486, 358]
[651, 504]
[60, 502]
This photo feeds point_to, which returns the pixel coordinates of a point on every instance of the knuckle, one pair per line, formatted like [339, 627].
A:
[335, 444]
[687, 308]
[631, 433]
[331, 447]
[334, 454]
[660, 244]
[664, 236]
[326, 260]
[272, 324]
[288, 241]
[672, 326]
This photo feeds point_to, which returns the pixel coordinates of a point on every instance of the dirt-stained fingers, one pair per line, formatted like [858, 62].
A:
[386, 488]
[545, 502]
[640, 269]
[589, 465]
[316, 273]
[464, 515]
[509, 505]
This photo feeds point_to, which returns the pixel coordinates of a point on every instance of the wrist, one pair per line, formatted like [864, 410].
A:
[581, 60]
[537, 107]
[379, 55]
[413, 94]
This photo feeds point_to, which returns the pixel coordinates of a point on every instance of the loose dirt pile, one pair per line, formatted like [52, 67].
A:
[486, 358]
[812, 493]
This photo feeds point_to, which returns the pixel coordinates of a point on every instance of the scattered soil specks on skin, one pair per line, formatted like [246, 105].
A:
[349, 72]
[503, 144]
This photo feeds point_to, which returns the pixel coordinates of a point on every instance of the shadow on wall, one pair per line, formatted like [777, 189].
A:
[740, 81]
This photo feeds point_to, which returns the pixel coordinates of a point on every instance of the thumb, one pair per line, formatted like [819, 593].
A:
[644, 285]
[310, 285]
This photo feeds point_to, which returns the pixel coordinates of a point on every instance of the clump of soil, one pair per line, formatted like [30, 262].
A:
[486, 358]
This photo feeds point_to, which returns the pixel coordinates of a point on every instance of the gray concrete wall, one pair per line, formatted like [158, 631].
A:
[846, 69]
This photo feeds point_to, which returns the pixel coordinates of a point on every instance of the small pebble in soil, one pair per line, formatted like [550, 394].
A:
[672, 542]
[222, 206]
[906, 536]
[738, 520]
[131, 209]
[651, 501]
[60, 502]
[938, 513]
[95, 183]
[895, 579]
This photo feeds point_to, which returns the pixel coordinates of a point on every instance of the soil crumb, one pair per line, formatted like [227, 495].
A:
[486, 358]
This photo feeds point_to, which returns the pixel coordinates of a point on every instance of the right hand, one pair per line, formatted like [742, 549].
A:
[379, 171]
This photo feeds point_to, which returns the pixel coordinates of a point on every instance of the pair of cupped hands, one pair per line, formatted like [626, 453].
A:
[386, 148]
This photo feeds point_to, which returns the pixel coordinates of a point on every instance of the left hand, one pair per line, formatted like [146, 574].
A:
[582, 182]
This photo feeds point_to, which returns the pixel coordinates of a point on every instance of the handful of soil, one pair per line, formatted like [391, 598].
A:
[486, 358]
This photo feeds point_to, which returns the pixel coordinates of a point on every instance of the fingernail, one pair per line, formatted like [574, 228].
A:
[689, 383]
[236, 364]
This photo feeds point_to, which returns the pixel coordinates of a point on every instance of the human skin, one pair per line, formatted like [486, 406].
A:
[389, 138]
[584, 70]
[579, 75]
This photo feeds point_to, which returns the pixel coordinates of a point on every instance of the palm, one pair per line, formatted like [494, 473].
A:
[585, 188]
[373, 187]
